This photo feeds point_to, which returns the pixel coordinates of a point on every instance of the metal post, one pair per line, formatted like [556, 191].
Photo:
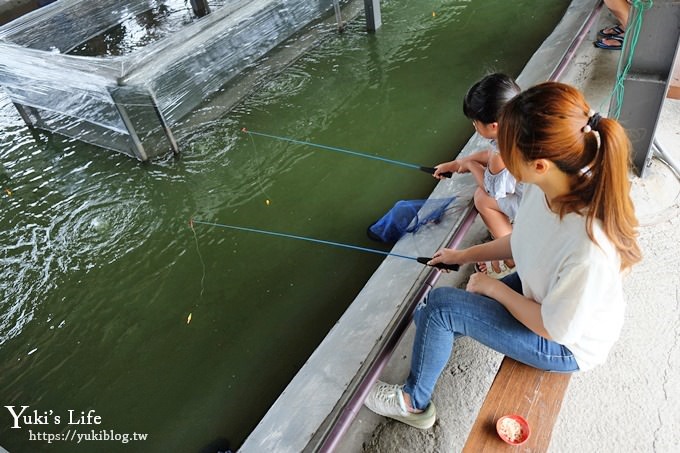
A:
[24, 115]
[200, 7]
[666, 158]
[165, 126]
[137, 146]
[338, 16]
[31, 117]
[146, 125]
[646, 83]
[373, 19]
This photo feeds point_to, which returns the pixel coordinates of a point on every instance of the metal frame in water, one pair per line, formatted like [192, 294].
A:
[131, 103]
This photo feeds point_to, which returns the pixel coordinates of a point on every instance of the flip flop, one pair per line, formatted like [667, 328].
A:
[616, 29]
[505, 270]
[602, 45]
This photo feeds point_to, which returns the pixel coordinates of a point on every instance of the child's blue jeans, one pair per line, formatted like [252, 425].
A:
[450, 313]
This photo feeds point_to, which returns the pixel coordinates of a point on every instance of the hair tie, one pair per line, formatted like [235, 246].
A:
[593, 121]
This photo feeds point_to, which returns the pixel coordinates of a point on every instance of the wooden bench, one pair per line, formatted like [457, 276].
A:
[519, 389]
[674, 88]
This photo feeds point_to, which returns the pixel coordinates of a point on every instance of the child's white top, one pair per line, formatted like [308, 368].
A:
[577, 282]
[503, 188]
[499, 185]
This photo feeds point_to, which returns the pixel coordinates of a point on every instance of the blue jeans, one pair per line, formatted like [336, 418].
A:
[450, 313]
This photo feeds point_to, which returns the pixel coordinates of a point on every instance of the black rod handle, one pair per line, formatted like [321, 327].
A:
[431, 171]
[452, 267]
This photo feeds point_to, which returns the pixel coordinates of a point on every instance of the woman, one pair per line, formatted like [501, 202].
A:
[575, 233]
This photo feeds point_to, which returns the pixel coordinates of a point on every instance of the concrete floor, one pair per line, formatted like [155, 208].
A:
[630, 404]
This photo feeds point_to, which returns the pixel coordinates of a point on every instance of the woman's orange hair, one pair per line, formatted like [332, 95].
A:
[548, 121]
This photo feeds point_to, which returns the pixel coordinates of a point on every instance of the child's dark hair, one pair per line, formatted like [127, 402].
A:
[485, 99]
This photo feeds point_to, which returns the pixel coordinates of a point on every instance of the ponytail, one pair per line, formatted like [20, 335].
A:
[611, 202]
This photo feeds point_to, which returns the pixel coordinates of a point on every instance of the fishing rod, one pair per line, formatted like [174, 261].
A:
[429, 170]
[420, 259]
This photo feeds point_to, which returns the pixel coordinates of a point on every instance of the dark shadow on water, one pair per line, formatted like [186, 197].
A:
[220, 445]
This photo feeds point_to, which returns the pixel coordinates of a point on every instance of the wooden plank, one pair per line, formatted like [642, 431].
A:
[674, 87]
[519, 389]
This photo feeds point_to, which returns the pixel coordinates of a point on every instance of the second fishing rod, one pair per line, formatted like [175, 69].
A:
[421, 259]
[429, 170]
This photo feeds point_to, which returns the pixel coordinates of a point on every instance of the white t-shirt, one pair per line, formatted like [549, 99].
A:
[577, 282]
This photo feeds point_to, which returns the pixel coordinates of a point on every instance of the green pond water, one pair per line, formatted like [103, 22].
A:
[112, 303]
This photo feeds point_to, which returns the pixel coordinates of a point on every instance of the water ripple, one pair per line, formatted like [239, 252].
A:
[59, 217]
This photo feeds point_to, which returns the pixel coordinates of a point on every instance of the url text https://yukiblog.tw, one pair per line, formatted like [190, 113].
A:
[74, 435]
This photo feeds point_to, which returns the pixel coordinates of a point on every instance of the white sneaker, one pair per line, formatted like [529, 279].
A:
[388, 400]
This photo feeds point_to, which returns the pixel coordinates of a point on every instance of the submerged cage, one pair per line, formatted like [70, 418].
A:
[129, 103]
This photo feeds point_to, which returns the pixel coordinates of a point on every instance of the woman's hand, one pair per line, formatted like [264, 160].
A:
[481, 283]
[525, 310]
[446, 256]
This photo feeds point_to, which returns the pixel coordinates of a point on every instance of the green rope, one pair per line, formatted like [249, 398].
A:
[631, 36]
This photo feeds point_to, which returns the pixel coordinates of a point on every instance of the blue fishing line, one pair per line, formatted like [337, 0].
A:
[303, 238]
[200, 256]
[332, 148]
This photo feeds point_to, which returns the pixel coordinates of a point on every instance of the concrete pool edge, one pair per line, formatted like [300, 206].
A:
[307, 411]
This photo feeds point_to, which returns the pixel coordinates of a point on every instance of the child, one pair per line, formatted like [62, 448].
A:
[574, 237]
[498, 194]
